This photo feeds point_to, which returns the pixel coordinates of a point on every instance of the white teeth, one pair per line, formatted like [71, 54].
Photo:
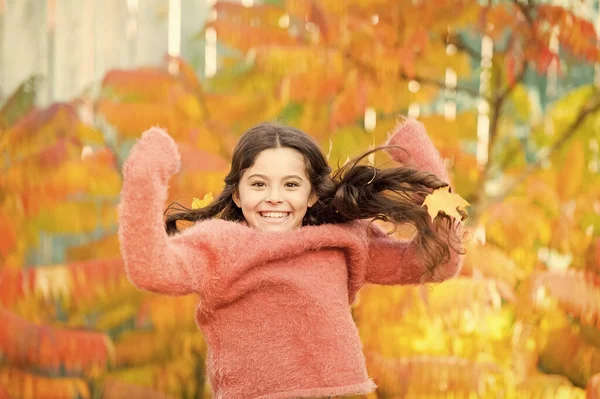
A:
[277, 215]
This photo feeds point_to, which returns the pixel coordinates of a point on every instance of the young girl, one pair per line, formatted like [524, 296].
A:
[281, 253]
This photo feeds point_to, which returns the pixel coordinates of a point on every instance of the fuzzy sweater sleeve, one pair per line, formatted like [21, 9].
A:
[395, 261]
[153, 260]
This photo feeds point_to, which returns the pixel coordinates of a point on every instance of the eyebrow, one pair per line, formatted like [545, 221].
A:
[284, 177]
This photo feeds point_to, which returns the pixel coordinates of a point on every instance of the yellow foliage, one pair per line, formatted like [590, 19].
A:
[284, 60]
[175, 377]
[491, 261]
[469, 337]
[204, 202]
[107, 246]
[347, 142]
[19, 384]
[141, 347]
[131, 119]
[571, 176]
[516, 223]
[76, 217]
[52, 282]
[116, 317]
[172, 313]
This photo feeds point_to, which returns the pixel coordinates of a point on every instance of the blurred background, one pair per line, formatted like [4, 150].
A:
[508, 91]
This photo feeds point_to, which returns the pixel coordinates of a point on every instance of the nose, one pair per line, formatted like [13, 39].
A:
[274, 197]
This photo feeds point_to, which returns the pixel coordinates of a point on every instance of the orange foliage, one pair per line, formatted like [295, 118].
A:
[585, 306]
[22, 385]
[86, 281]
[114, 389]
[593, 387]
[318, 65]
[9, 235]
[566, 353]
[25, 344]
[430, 375]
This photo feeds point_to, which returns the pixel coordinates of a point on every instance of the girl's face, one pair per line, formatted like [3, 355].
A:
[275, 192]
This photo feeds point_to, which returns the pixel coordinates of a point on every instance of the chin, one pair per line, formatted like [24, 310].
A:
[277, 228]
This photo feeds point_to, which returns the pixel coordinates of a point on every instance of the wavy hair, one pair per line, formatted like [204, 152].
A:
[353, 192]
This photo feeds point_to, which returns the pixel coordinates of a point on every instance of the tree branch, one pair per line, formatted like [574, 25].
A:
[496, 105]
[525, 9]
[421, 79]
[569, 133]
[518, 79]
[434, 82]
[499, 103]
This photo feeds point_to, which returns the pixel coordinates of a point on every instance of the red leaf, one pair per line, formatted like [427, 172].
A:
[9, 237]
[544, 59]
[86, 279]
[510, 68]
[28, 345]
[60, 116]
[149, 84]
[244, 37]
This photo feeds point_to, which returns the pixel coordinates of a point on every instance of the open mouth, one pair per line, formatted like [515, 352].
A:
[274, 216]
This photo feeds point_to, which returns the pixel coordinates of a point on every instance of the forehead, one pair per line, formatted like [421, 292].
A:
[277, 162]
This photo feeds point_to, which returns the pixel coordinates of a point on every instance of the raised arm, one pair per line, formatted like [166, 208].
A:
[416, 149]
[394, 261]
[153, 260]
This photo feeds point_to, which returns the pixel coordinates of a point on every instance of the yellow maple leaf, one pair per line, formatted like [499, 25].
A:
[201, 203]
[442, 200]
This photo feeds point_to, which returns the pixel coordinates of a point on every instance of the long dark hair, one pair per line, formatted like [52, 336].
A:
[355, 191]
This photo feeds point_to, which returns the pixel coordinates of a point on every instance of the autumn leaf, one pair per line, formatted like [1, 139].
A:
[560, 285]
[490, 261]
[21, 384]
[544, 386]
[317, 66]
[569, 354]
[43, 347]
[442, 200]
[114, 389]
[431, 375]
[202, 203]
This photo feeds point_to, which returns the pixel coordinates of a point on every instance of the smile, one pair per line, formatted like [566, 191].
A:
[274, 216]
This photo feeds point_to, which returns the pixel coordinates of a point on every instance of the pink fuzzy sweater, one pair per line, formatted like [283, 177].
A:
[274, 307]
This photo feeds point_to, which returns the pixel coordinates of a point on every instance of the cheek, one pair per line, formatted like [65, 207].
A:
[250, 199]
[300, 200]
